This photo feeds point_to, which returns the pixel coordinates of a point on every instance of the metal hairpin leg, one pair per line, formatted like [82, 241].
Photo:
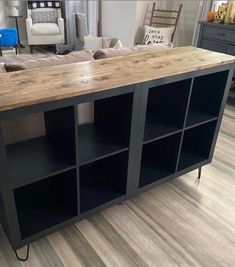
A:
[199, 173]
[197, 182]
[27, 255]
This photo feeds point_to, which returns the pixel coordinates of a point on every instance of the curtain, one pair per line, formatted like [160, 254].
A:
[89, 9]
[204, 7]
[93, 17]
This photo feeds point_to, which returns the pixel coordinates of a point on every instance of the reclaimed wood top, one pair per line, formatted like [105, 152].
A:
[30, 87]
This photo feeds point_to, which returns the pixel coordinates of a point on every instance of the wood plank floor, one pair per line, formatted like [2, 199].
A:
[175, 224]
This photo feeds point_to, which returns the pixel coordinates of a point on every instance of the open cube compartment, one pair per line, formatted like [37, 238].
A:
[109, 131]
[206, 98]
[102, 181]
[159, 159]
[196, 145]
[35, 157]
[45, 203]
[166, 109]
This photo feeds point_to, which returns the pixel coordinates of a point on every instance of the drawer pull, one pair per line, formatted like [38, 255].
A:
[221, 34]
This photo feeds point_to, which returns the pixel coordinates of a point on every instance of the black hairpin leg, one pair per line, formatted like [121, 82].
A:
[27, 255]
[199, 173]
[197, 182]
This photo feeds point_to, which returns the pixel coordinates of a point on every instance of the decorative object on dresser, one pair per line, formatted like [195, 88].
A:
[217, 37]
[230, 16]
[44, 24]
[211, 16]
[221, 14]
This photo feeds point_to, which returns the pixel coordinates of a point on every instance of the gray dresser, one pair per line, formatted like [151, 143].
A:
[219, 38]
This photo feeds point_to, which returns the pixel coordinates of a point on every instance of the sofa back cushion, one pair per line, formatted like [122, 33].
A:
[73, 57]
[2, 68]
[113, 52]
[151, 47]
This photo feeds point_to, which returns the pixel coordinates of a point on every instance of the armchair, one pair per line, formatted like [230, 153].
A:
[44, 32]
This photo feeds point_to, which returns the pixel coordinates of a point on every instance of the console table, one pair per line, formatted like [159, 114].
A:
[156, 117]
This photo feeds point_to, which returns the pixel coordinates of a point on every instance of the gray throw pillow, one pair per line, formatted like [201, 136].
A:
[49, 16]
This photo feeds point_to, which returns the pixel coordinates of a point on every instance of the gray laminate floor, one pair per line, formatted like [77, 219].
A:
[175, 224]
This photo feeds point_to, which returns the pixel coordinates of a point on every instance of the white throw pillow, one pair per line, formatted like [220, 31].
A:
[158, 35]
[92, 42]
[118, 45]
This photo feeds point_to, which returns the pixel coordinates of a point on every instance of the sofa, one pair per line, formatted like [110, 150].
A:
[82, 55]
[12, 130]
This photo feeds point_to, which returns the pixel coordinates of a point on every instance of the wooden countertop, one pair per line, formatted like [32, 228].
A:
[30, 87]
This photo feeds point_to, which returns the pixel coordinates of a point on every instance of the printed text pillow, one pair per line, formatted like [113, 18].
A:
[158, 35]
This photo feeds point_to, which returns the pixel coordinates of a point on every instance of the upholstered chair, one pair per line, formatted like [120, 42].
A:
[45, 26]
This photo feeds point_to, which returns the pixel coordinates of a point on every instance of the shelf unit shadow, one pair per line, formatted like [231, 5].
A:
[46, 203]
[206, 98]
[196, 145]
[159, 159]
[166, 109]
[43, 156]
[109, 131]
[103, 181]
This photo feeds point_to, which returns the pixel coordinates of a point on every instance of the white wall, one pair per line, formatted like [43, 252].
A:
[118, 20]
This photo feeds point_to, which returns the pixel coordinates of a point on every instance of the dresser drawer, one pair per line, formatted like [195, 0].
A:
[213, 46]
[230, 49]
[219, 34]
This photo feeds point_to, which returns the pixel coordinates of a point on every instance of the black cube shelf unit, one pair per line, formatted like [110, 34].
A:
[141, 135]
